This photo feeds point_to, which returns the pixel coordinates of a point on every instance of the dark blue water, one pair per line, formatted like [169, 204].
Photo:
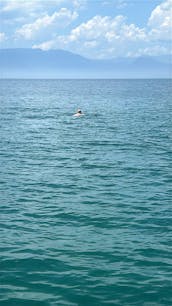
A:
[85, 203]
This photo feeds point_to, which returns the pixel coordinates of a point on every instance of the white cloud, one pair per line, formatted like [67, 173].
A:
[105, 36]
[91, 44]
[119, 4]
[33, 5]
[2, 36]
[79, 4]
[47, 45]
[107, 29]
[12, 5]
[58, 19]
[25, 5]
[99, 37]
[160, 21]
[149, 51]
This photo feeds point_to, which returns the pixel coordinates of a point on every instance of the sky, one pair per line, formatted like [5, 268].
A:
[99, 29]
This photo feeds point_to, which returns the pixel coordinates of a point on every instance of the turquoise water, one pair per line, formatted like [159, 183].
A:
[85, 203]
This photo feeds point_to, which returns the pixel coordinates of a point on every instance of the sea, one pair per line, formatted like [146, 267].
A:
[85, 202]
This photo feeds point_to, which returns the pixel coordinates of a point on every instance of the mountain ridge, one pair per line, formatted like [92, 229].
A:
[27, 62]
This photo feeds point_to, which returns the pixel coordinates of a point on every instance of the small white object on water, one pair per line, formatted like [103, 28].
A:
[78, 113]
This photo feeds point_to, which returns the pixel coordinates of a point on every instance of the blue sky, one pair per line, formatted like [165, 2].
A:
[92, 28]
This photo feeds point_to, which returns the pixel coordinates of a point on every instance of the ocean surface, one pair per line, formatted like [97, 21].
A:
[85, 203]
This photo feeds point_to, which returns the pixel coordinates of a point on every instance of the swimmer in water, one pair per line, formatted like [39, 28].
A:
[78, 113]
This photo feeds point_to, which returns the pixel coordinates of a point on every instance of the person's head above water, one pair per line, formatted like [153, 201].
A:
[78, 113]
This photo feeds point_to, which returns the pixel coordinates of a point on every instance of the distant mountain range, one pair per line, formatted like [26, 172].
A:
[35, 63]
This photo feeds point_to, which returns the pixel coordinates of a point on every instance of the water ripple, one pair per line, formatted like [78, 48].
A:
[85, 203]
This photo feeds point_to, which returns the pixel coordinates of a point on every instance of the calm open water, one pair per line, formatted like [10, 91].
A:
[85, 203]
